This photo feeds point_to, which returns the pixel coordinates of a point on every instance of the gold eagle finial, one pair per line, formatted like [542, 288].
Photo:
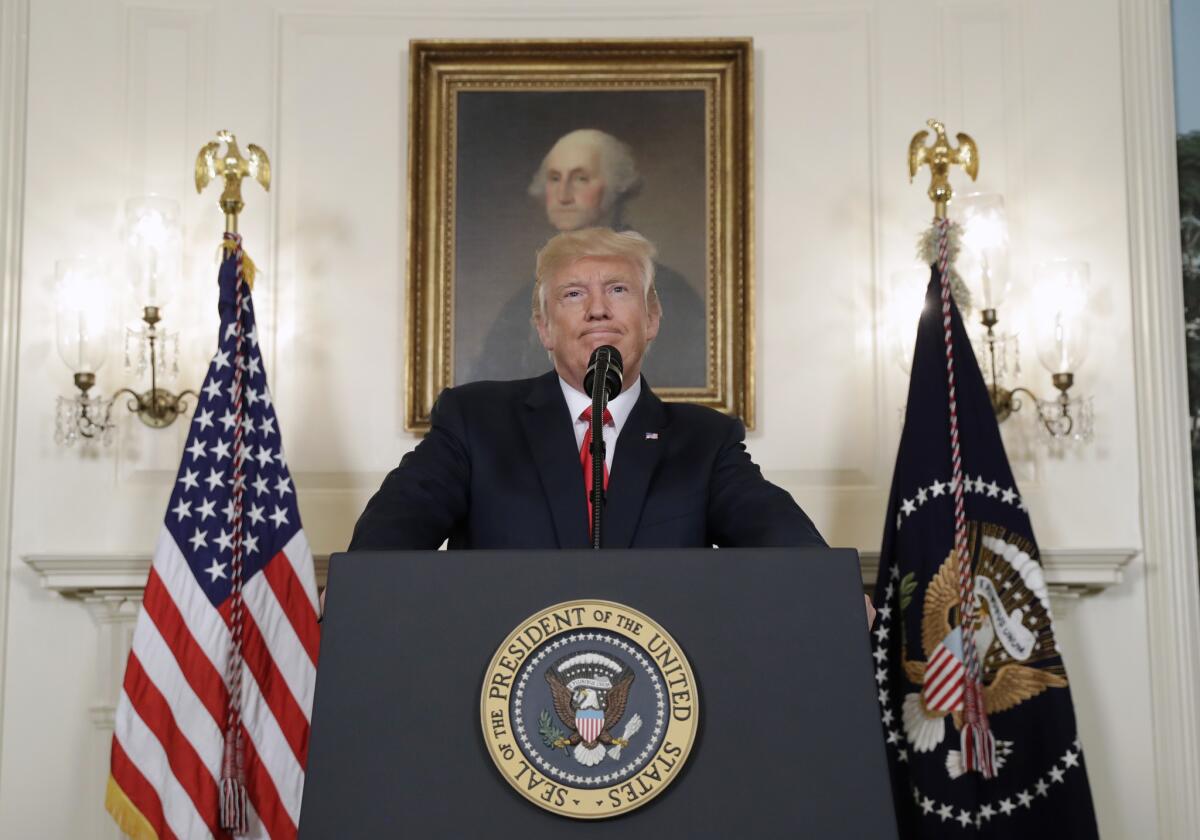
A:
[212, 164]
[940, 157]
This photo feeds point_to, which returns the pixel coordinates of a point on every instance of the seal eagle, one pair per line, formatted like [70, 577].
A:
[590, 691]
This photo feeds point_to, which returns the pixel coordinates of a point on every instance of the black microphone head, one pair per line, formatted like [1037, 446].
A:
[613, 376]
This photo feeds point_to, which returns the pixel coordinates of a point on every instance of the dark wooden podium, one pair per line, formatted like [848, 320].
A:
[789, 742]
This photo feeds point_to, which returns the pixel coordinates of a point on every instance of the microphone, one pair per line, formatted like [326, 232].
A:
[608, 359]
[606, 362]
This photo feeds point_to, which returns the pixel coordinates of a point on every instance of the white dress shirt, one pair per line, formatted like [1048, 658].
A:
[619, 408]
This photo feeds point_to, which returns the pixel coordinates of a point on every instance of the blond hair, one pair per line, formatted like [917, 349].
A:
[571, 245]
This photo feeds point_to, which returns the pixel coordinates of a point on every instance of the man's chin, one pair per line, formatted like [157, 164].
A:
[566, 221]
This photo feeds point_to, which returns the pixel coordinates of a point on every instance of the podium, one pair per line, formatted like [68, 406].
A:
[787, 740]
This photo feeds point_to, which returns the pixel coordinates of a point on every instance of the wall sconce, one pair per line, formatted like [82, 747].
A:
[1060, 328]
[153, 253]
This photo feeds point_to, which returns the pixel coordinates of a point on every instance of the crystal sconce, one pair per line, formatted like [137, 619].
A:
[1058, 318]
[153, 253]
[1059, 299]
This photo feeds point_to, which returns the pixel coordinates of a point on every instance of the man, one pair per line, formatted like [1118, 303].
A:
[501, 466]
[585, 181]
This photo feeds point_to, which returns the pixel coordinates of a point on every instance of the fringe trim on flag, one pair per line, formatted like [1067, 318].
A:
[126, 815]
[249, 269]
[928, 249]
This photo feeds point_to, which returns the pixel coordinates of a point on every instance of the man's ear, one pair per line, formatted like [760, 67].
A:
[653, 321]
[543, 331]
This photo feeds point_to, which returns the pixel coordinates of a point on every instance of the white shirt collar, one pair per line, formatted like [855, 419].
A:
[619, 408]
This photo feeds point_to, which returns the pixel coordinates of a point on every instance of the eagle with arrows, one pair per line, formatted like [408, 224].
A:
[590, 691]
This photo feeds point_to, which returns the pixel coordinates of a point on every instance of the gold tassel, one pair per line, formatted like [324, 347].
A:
[249, 269]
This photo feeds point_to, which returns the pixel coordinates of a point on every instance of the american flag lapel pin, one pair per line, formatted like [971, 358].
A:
[651, 435]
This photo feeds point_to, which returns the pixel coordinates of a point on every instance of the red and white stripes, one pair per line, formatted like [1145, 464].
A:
[168, 751]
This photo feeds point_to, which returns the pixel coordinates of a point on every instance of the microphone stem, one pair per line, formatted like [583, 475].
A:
[599, 403]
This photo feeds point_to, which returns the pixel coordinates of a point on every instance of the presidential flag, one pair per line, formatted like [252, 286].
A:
[974, 697]
[211, 733]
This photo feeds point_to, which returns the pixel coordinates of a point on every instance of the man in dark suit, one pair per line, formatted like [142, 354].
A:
[502, 468]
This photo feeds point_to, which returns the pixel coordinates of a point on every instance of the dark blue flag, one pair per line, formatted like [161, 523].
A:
[977, 714]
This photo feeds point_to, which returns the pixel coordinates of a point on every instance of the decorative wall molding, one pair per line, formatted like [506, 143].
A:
[1168, 518]
[99, 579]
[14, 57]
[1070, 573]
[108, 578]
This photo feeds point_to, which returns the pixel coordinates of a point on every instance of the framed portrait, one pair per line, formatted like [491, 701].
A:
[511, 142]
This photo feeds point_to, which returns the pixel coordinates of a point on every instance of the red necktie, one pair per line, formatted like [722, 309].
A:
[585, 458]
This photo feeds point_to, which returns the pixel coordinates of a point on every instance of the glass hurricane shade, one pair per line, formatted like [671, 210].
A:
[153, 248]
[1060, 295]
[83, 313]
[983, 258]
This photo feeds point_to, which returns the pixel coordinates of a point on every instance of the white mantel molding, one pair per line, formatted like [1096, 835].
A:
[88, 577]
[1070, 572]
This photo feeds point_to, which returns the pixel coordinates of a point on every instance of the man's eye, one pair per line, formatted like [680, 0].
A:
[620, 288]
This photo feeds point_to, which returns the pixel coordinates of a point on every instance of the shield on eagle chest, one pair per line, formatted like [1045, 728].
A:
[589, 722]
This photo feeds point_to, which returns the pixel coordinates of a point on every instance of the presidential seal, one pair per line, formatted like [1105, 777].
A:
[589, 709]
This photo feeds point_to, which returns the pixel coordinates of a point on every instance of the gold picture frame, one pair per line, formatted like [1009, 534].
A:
[482, 117]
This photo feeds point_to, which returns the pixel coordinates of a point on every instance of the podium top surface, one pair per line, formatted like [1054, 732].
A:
[789, 741]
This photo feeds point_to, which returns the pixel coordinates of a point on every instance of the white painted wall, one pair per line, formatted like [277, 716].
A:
[122, 94]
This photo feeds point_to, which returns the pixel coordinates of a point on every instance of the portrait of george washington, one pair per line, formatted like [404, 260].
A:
[532, 164]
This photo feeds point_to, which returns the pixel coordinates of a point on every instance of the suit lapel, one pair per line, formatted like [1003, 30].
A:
[548, 431]
[634, 464]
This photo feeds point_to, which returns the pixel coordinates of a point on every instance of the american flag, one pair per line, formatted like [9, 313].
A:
[226, 642]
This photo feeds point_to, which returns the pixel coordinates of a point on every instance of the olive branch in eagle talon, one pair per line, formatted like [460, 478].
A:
[567, 703]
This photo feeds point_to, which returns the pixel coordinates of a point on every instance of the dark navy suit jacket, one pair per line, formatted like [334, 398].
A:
[500, 469]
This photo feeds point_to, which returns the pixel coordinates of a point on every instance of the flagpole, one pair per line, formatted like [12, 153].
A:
[232, 167]
[978, 742]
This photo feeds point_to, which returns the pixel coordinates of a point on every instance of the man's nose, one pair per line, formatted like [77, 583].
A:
[563, 193]
[597, 308]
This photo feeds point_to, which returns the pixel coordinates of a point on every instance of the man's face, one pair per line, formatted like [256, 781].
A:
[592, 302]
[575, 187]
